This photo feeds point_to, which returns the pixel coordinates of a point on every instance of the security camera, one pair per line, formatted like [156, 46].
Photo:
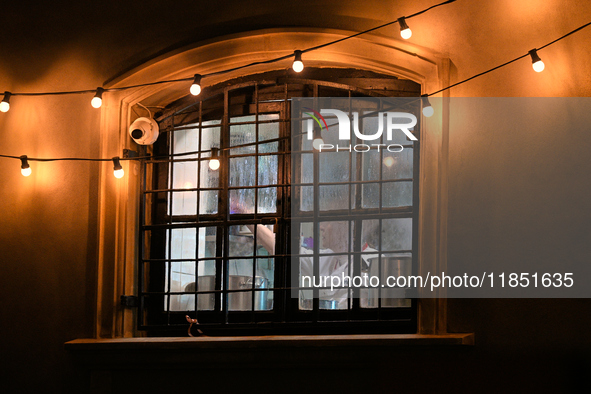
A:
[144, 131]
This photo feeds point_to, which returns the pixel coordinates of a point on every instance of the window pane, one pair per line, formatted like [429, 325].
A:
[396, 234]
[242, 201]
[241, 241]
[267, 200]
[397, 194]
[268, 170]
[268, 131]
[183, 244]
[242, 171]
[397, 165]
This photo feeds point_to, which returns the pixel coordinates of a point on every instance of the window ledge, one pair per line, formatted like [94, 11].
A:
[270, 341]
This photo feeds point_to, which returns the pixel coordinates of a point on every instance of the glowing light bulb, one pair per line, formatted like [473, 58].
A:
[196, 86]
[25, 168]
[297, 65]
[117, 169]
[317, 142]
[405, 31]
[406, 34]
[214, 164]
[5, 105]
[538, 66]
[537, 63]
[97, 100]
[428, 111]
[388, 161]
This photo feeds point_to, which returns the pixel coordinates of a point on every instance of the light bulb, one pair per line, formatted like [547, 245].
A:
[297, 65]
[117, 169]
[214, 164]
[97, 100]
[428, 111]
[538, 66]
[537, 63]
[5, 105]
[406, 34]
[25, 168]
[388, 161]
[196, 86]
[405, 31]
[317, 142]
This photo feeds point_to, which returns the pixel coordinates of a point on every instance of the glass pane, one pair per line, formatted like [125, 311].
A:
[242, 201]
[307, 168]
[210, 135]
[184, 174]
[370, 196]
[208, 202]
[268, 131]
[241, 241]
[397, 194]
[266, 273]
[397, 165]
[240, 278]
[183, 244]
[396, 234]
[186, 140]
[371, 165]
[267, 200]
[207, 242]
[242, 134]
[334, 197]
[334, 166]
[242, 171]
[306, 198]
[268, 169]
[268, 148]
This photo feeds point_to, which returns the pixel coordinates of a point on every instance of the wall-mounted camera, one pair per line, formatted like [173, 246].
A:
[144, 131]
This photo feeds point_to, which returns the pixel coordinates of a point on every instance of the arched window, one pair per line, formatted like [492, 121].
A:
[220, 244]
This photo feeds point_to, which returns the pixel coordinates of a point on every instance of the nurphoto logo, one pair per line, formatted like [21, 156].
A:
[394, 122]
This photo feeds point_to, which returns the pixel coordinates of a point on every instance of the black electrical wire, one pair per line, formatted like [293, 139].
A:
[510, 61]
[274, 60]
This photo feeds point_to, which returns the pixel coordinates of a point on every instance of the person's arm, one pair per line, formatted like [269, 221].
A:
[265, 236]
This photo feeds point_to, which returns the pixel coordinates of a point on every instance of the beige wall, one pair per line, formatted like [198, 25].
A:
[49, 221]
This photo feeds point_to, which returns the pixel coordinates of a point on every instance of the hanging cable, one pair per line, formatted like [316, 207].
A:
[274, 60]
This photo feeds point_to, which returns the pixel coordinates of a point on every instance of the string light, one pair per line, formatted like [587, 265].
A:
[5, 105]
[97, 100]
[428, 111]
[536, 62]
[297, 65]
[405, 31]
[214, 163]
[117, 168]
[25, 168]
[196, 86]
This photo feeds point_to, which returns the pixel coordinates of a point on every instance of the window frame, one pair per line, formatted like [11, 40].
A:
[285, 317]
